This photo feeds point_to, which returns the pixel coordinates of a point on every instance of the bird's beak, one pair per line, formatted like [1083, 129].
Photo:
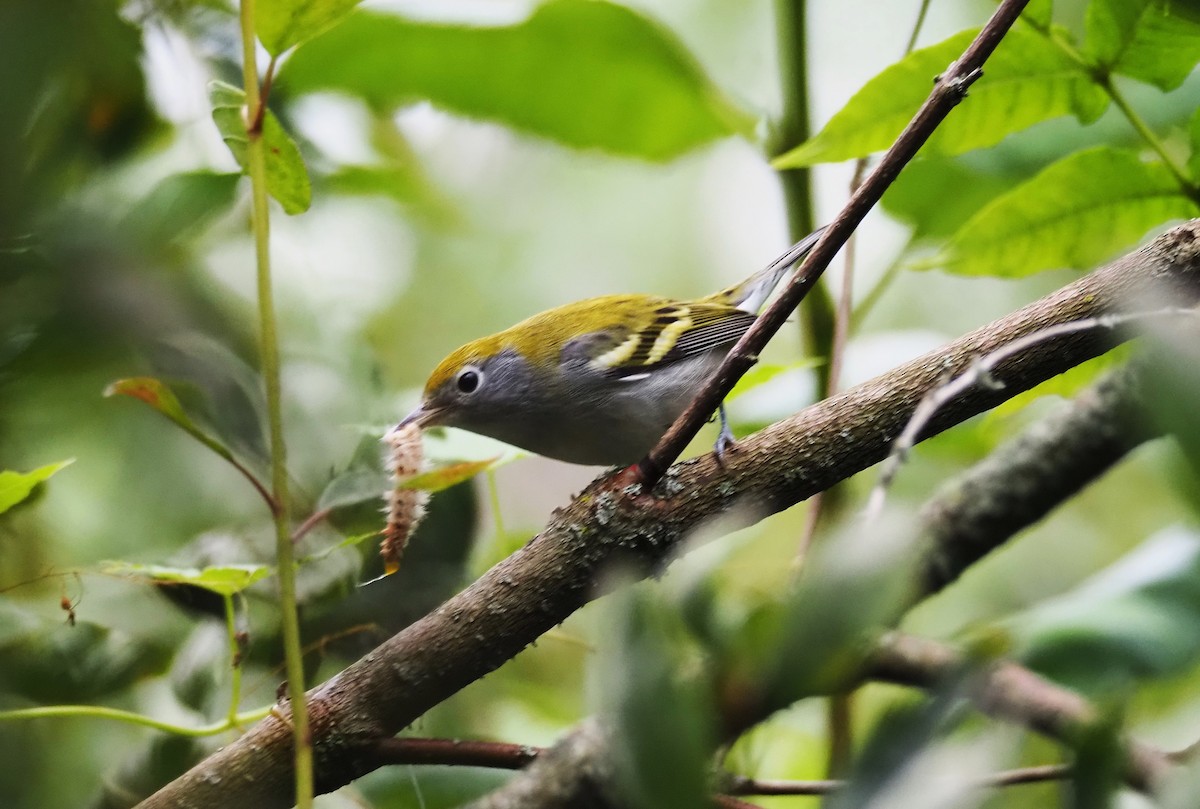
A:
[419, 417]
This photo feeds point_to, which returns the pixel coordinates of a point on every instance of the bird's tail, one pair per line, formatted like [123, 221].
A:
[751, 294]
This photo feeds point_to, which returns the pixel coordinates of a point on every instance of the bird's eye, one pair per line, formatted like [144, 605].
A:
[469, 379]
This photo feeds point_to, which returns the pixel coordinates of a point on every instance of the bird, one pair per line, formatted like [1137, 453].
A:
[598, 381]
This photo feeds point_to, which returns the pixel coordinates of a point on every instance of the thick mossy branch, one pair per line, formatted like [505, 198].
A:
[612, 524]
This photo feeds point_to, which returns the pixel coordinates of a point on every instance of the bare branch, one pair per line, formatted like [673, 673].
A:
[982, 374]
[1024, 479]
[1013, 693]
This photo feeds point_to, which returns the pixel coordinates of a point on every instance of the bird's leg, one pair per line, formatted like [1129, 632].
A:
[725, 438]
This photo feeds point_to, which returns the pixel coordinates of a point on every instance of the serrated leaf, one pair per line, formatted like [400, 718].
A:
[1027, 80]
[287, 177]
[1075, 213]
[1138, 618]
[1143, 39]
[446, 476]
[280, 24]
[225, 580]
[16, 486]
[585, 73]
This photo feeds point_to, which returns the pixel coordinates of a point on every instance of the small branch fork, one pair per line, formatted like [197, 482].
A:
[980, 374]
[949, 89]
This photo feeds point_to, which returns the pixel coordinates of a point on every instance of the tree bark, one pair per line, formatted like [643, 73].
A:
[612, 523]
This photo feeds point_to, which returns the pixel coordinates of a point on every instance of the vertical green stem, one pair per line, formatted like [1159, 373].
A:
[791, 129]
[269, 348]
[235, 661]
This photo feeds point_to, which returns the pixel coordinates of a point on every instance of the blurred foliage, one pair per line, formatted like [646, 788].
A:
[460, 166]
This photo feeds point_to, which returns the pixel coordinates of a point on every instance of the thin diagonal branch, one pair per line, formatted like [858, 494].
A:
[949, 89]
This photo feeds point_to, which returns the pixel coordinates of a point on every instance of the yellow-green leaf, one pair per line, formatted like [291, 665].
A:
[446, 476]
[1026, 81]
[224, 580]
[16, 486]
[1149, 40]
[1075, 213]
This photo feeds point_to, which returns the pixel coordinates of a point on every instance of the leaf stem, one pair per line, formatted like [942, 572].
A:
[131, 718]
[269, 348]
[1151, 139]
[1102, 75]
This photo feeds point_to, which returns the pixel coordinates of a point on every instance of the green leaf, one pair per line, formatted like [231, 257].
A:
[16, 486]
[225, 580]
[588, 74]
[1026, 81]
[182, 205]
[920, 195]
[287, 178]
[1075, 213]
[657, 703]
[1172, 394]
[1143, 39]
[446, 476]
[280, 24]
[1138, 618]
[850, 590]
[1039, 13]
[156, 394]
[1099, 761]
[763, 373]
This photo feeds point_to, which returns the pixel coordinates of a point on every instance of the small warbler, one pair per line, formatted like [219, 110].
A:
[598, 381]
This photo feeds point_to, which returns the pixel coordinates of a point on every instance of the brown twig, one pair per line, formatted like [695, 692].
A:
[949, 89]
[452, 752]
[1023, 479]
[741, 785]
[1008, 691]
[981, 373]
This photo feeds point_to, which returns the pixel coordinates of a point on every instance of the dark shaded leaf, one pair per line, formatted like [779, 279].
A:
[1138, 618]
[657, 704]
